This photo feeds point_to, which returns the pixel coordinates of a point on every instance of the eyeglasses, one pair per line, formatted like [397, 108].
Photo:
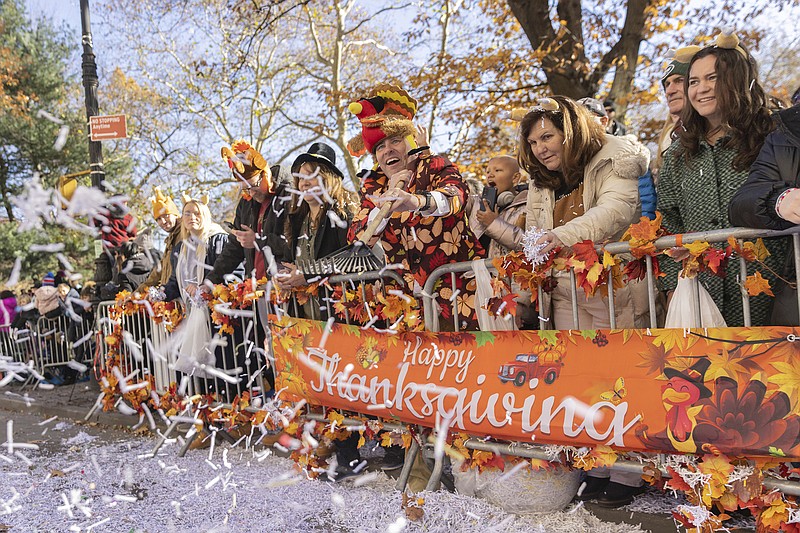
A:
[247, 185]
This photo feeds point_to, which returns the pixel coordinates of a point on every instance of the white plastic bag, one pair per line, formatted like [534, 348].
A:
[196, 348]
[681, 312]
[483, 291]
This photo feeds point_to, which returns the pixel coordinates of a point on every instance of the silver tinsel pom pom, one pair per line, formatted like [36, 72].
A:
[533, 251]
[156, 294]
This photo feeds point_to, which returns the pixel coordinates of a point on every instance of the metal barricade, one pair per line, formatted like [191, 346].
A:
[53, 342]
[18, 348]
[17, 344]
[664, 243]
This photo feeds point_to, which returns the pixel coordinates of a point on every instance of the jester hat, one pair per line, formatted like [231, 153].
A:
[386, 112]
[246, 163]
[163, 204]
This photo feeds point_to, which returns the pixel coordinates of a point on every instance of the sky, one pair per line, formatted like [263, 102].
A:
[68, 11]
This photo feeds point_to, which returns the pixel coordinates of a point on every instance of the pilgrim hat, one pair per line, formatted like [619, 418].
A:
[318, 153]
[694, 374]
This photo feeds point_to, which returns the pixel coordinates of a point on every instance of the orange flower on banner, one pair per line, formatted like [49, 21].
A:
[756, 284]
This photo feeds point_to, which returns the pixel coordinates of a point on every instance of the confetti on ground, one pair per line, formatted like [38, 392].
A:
[129, 493]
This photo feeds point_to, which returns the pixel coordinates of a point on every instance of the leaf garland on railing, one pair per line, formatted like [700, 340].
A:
[592, 270]
[233, 296]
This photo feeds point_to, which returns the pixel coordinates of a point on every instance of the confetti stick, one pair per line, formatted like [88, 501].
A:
[222, 375]
[24, 458]
[100, 523]
[13, 278]
[325, 333]
[149, 415]
[10, 436]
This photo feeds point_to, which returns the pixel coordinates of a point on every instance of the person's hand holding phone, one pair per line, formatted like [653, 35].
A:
[486, 215]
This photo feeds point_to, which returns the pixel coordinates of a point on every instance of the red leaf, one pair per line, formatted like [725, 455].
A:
[585, 251]
[676, 482]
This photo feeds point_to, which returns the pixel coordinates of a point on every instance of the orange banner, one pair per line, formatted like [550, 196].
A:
[732, 390]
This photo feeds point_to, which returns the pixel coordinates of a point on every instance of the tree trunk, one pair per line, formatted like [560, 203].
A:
[561, 48]
[4, 190]
[631, 39]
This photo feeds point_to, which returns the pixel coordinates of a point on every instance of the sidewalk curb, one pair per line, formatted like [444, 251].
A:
[76, 413]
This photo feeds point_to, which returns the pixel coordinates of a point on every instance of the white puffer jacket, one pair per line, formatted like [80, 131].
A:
[610, 199]
[610, 195]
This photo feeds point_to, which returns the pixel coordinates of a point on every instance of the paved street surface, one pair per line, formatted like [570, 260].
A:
[97, 476]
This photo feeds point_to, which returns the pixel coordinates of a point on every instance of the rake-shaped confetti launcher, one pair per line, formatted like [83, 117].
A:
[355, 258]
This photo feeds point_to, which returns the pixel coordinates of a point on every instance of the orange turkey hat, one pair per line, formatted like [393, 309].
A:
[246, 162]
[386, 112]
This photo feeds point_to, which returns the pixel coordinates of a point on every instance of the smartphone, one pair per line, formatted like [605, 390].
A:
[227, 226]
[490, 195]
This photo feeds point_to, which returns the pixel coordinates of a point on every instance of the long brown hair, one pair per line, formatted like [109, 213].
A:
[344, 201]
[743, 104]
[583, 138]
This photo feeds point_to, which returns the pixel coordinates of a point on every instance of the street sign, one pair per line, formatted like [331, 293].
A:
[107, 127]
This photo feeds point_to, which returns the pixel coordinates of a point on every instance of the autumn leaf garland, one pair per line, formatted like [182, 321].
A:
[593, 270]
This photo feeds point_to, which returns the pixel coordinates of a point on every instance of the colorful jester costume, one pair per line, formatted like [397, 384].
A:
[420, 243]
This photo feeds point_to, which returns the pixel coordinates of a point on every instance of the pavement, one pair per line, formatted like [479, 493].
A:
[31, 405]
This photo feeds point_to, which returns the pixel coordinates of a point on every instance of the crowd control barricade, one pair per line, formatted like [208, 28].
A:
[19, 346]
[61, 340]
[448, 273]
[143, 351]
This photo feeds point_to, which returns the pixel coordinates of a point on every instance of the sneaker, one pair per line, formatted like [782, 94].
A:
[618, 495]
[342, 473]
[593, 488]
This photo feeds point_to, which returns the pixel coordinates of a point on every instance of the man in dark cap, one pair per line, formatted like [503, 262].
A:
[614, 127]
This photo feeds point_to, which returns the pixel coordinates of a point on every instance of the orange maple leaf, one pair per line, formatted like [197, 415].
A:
[757, 284]
[718, 466]
[715, 259]
[772, 516]
[697, 247]
[642, 235]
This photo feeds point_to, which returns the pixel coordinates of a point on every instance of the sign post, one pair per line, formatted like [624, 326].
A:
[108, 127]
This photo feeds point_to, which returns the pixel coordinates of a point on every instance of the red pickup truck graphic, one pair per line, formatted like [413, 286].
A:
[527, 366]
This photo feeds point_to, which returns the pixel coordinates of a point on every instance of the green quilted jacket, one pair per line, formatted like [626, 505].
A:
[694, 196]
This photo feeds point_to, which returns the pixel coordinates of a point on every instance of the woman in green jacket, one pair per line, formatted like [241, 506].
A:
[720, 134]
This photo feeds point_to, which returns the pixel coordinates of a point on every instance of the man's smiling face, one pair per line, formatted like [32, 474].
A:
[392, 154]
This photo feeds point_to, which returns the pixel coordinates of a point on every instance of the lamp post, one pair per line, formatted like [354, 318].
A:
[90, 92]
[102, 264]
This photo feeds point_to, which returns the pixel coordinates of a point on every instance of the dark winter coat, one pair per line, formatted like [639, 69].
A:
[776, 169]
[330, 238]
[135, 267]
[271, 235]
